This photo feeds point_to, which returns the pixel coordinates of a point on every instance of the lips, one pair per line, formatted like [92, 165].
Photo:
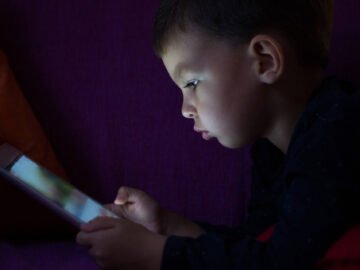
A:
[204, 133]
[199, 130]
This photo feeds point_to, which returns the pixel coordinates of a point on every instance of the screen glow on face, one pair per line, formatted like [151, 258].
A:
[58, 191]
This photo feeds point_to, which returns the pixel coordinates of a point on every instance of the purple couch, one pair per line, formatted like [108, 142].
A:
[113, 116]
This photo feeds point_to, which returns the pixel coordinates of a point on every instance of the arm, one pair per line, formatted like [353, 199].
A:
[180, 226]
[122, 244]
[311, 215]
[307, 226]
[101, 235]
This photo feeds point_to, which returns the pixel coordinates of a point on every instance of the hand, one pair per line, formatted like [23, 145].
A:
[121, 244]
[140, 208]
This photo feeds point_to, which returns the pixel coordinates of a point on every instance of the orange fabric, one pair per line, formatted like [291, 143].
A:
[18, 125]
[23, 216]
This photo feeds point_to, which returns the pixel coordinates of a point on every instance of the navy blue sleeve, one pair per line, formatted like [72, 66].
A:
[321, 189]
[311, 218]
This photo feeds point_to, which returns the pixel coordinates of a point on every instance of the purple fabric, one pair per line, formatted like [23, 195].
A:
[110, 110]
[113, 115]
[45, 255]
[345, 53]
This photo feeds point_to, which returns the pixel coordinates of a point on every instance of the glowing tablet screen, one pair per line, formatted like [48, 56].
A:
[58, 191]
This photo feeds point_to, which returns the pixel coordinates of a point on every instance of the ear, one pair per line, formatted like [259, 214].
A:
[268, 58]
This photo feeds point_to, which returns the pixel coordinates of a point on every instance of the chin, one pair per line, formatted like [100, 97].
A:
[230, 145]
[233, 144]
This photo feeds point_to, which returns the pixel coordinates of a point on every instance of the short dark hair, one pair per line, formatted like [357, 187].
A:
[307, 24]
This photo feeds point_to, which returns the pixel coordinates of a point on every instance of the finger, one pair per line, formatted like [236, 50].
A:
[99, 223]
[127, 195]
[117, 209]
[108, 206]
[84, 239]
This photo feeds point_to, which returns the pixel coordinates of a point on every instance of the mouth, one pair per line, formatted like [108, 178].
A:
[204, 133]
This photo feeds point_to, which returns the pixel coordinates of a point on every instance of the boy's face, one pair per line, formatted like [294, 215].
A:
[221, 92]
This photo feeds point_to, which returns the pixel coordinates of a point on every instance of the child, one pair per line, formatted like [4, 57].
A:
[250, 72]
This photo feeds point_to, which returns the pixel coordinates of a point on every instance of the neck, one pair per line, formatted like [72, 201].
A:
[290, 99]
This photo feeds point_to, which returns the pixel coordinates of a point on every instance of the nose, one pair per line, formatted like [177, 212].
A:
[187, 109]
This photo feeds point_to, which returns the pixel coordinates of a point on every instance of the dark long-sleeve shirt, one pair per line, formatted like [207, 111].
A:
[310, 194]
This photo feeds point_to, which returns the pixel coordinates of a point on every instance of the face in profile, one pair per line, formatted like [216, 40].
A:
[220, 92]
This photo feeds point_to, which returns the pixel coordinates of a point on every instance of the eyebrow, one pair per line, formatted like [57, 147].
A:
[179, 69]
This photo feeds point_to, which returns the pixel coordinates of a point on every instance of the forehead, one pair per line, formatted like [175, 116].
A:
[183, 51]
[194, 50]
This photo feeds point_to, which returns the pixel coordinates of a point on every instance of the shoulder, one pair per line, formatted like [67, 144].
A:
[330, 119]
[327, 136]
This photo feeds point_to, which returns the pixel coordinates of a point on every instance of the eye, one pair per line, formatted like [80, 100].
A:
[192, 84]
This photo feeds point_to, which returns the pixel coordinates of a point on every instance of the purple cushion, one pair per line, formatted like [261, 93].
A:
[113, 115]
[45, 255]
[345, 53]
[110, 110]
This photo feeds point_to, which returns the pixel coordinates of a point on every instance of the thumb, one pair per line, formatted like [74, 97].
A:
[127, 195]
[117, 209]
[97, 224]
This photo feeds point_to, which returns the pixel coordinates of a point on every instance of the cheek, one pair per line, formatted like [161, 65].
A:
[214, 116]
[232, 117]
[214, 108]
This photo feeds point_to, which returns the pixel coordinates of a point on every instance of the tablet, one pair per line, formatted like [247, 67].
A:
[48, 188]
